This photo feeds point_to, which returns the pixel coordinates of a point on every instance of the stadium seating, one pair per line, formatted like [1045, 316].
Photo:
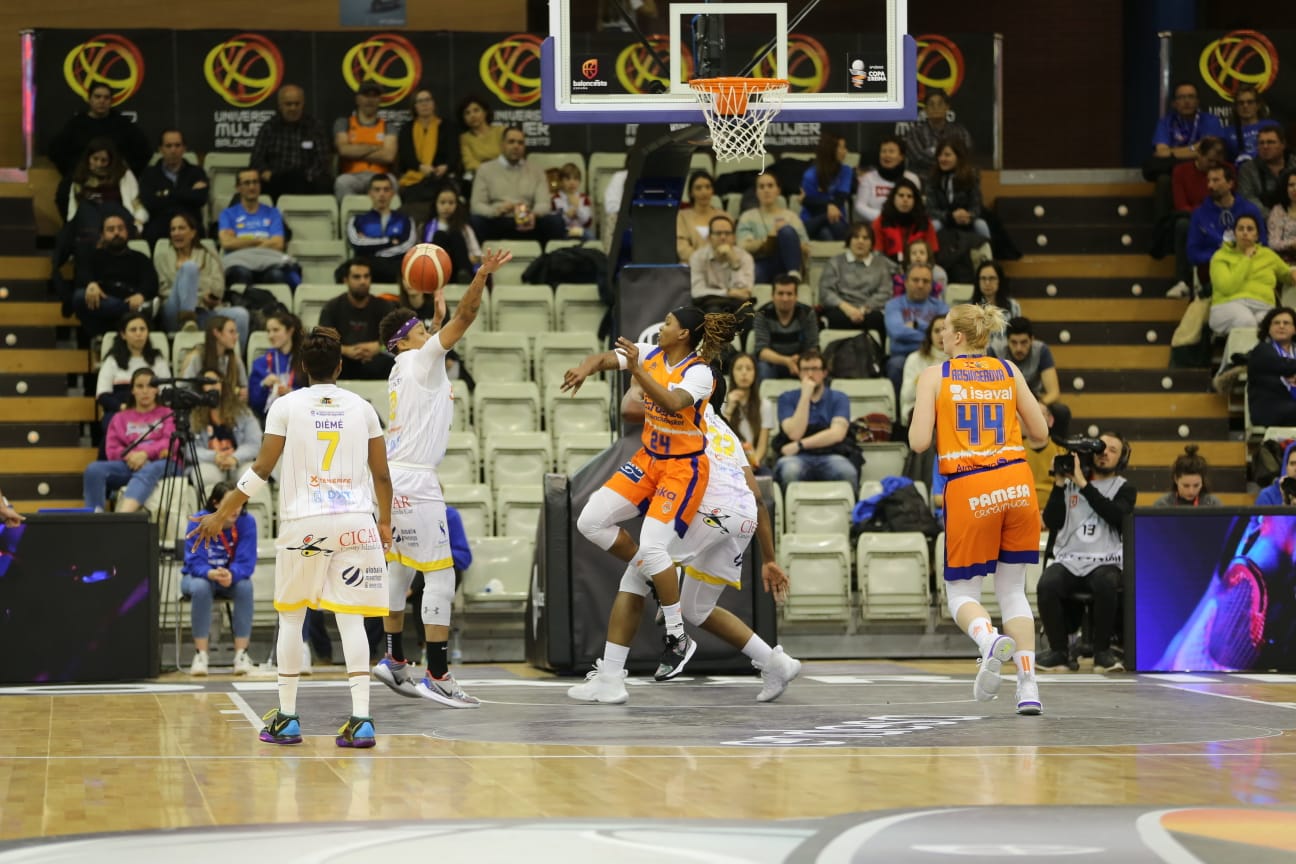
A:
[893, 575]
[158, 339]
[462, 405]
[475, 505]
[499, 356]
[555, 353]
[818, 565]
[819, 507]
[261, 507]
[572, 413]
[545, 161]
[222, 175]
[500, 575]
[311, 217]
[506, 407]
[518, 509]
[258, 344]
[462, 462]
[883, 460]
[373, 392]
[517, 459]
[579, 308]
[524, 251]
[576, 449]
[282, 292]
[523, 308]
[319, 259]
[958, 292]
[868, 396]
[353, 204]
[182, 345]
[310, 299]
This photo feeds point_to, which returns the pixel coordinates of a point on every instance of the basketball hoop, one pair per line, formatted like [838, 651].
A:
[738, 111]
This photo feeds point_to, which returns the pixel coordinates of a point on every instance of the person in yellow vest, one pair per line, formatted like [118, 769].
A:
[366, 144]
[426, 157]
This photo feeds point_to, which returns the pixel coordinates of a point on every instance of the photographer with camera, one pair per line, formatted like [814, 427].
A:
[1086, 512]
[1282, 491]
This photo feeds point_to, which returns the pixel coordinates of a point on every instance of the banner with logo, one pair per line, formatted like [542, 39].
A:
[139, 66]
[1218, 62]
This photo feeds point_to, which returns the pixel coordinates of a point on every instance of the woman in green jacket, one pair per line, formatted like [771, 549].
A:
[1245, 279]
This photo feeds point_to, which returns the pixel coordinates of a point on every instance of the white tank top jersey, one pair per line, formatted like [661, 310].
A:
[421, 407]
[326, 433]
[727, 484]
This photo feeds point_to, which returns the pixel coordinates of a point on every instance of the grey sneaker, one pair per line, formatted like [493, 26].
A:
[679, 650]
[987, 683]
[396, 674]
[776, 674]
[601, 686]
[446, 691]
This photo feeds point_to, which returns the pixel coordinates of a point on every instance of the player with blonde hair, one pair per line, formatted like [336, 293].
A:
[976, 407]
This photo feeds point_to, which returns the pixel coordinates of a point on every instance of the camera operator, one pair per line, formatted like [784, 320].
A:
[1085, 511]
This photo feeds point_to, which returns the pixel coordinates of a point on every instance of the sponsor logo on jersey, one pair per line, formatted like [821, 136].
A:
[632, 471]
[999, 500]
[715, 519]
[352, 576]
[310, 547]
[361, 537]
[959, 393]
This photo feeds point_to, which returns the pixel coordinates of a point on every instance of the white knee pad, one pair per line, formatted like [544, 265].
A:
[961, 592]
[698, 599]
[634, 582]
[399, 579]
[654, 548]
[600, 519]
[1010, 588]
[438, 596]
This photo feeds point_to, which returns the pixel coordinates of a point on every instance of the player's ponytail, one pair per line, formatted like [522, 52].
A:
[321, 354]
[719, 329]
[976, 323]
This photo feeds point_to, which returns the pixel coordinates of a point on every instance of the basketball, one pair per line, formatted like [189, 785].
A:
[426, 268]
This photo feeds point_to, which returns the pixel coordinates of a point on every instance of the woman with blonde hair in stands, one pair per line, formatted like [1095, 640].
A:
[227, 434]
[974, 408]
[220, 350]
[1188, 476]
[693, 224]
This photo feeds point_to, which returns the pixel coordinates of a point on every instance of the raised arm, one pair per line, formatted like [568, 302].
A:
[470, 304]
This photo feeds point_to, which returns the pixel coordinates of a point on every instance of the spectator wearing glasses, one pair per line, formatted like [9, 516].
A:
[721, 273]
[1260, 179]
[813, 422]
[252, 236]
[1250, 115]
[1175, 140]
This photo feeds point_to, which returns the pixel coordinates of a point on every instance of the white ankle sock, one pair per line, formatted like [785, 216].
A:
[674, 620]
[359, 695]
[982, 632]
[614, 657]
[757, 649]
[1025, 661]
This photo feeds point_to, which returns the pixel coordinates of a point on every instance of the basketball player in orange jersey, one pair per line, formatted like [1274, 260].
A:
[978, 407]
[665, 480]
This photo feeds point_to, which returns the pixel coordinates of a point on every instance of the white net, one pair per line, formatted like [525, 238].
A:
[738, 111]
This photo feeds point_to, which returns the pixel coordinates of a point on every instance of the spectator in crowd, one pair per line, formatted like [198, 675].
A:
[252, 238]
[221, 569]
[1086, 513]
[228, 436]
[1259, 178]
[875, 184]
[1039, 370]
[1190, 189]
[131, 350]
[426, 156]
[219, 350]
[1175, 140]
[1250, 115]
[721, 274]
[747, 414]
[694, 220]
[785, 329]
[382, 234]
[573, 205]
[510, 196]
[293, 153]
[449, 229]
[1188, 479]
[856, 284]
[1245, 279]
[908, 316]
[171, 185]
[1271, 369]
[279, 370]
[1213, 221]
[924, 136]
[813, 422]
[954, 191]
[903, 220]
[136, 447]
[481, 141]
[827, 189]
[191, 280]
[365, 143]
[920, 252]
[101, 185]
[1273, 495]
[1282, 219]
[929, 353]
[99, 120]
[991, 288]
[112, 280]
[355, 315]
[773, 234]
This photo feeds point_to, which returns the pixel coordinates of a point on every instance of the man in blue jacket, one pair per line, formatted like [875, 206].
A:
[907, 317]
[382, 235]
[1215, 218]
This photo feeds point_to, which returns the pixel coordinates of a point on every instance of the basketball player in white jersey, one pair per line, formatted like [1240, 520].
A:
[418, 429]
[329, 550]
[711, 553]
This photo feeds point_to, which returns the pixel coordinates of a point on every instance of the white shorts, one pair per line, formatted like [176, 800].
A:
[420, 532]
[333, 562]
[713, 547]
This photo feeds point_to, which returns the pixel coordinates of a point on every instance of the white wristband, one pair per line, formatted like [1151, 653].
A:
[250, 484]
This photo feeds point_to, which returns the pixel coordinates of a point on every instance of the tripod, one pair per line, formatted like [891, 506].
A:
[172, 536]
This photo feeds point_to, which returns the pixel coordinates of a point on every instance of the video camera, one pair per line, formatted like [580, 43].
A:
[183, 399]
[1085, 448]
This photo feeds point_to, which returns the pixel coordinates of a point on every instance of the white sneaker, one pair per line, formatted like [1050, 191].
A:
[199, 664]
[1028, 698]
[306, 659]
[397, 676]
[776, 674]
[600, 686]
[446, 691]
[1179, 290]
[987, 683]
[242, 663]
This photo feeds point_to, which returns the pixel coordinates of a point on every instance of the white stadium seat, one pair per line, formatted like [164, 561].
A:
[518, 509]
[462, 462]
[500, 574]
[893, 575]
[883, 460]
[517, 459]
[819, 507]
[499, 356]
[818, 565]
[475, 506]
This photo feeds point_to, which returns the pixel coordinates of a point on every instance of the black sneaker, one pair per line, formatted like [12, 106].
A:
[679, 649]
[1055, 661]
[1106, 661]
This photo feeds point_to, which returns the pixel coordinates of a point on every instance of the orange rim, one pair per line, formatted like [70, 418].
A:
[731, 93]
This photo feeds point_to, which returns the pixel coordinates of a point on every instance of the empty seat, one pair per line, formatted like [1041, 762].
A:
[601, 168]
[453, 294]
[555, 353]
[500, 574]
[576, 449]
[524, 308]
[373, 392]
[140, 246]
[506, 407]
[499, 356]
[958, 292]
[462, 399]
[883, 460]
[318, 258]
[818, 565]
[183, 345]
[311, 217]
[170, 505]
[524, 251]
[579, 308]
[261, 507]
[476, 509]
[771, 388]
[512, 272]
[258, 344]
[583, 411]
[518, 509]
[310, 299]
[893, 575]
[819, 507]
[461, 464]
[517, 460]
[222, 176]
[868, 396]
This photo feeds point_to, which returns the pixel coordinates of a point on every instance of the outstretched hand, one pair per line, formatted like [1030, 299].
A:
[573, 379]
[494, 259]
[775, 581]
[630, 351]
[209, 527]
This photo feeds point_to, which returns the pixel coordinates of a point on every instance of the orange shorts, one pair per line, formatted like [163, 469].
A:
[990, 516]
[668, 490]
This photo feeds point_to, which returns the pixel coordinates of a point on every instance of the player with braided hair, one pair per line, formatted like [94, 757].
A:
[664, 481]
